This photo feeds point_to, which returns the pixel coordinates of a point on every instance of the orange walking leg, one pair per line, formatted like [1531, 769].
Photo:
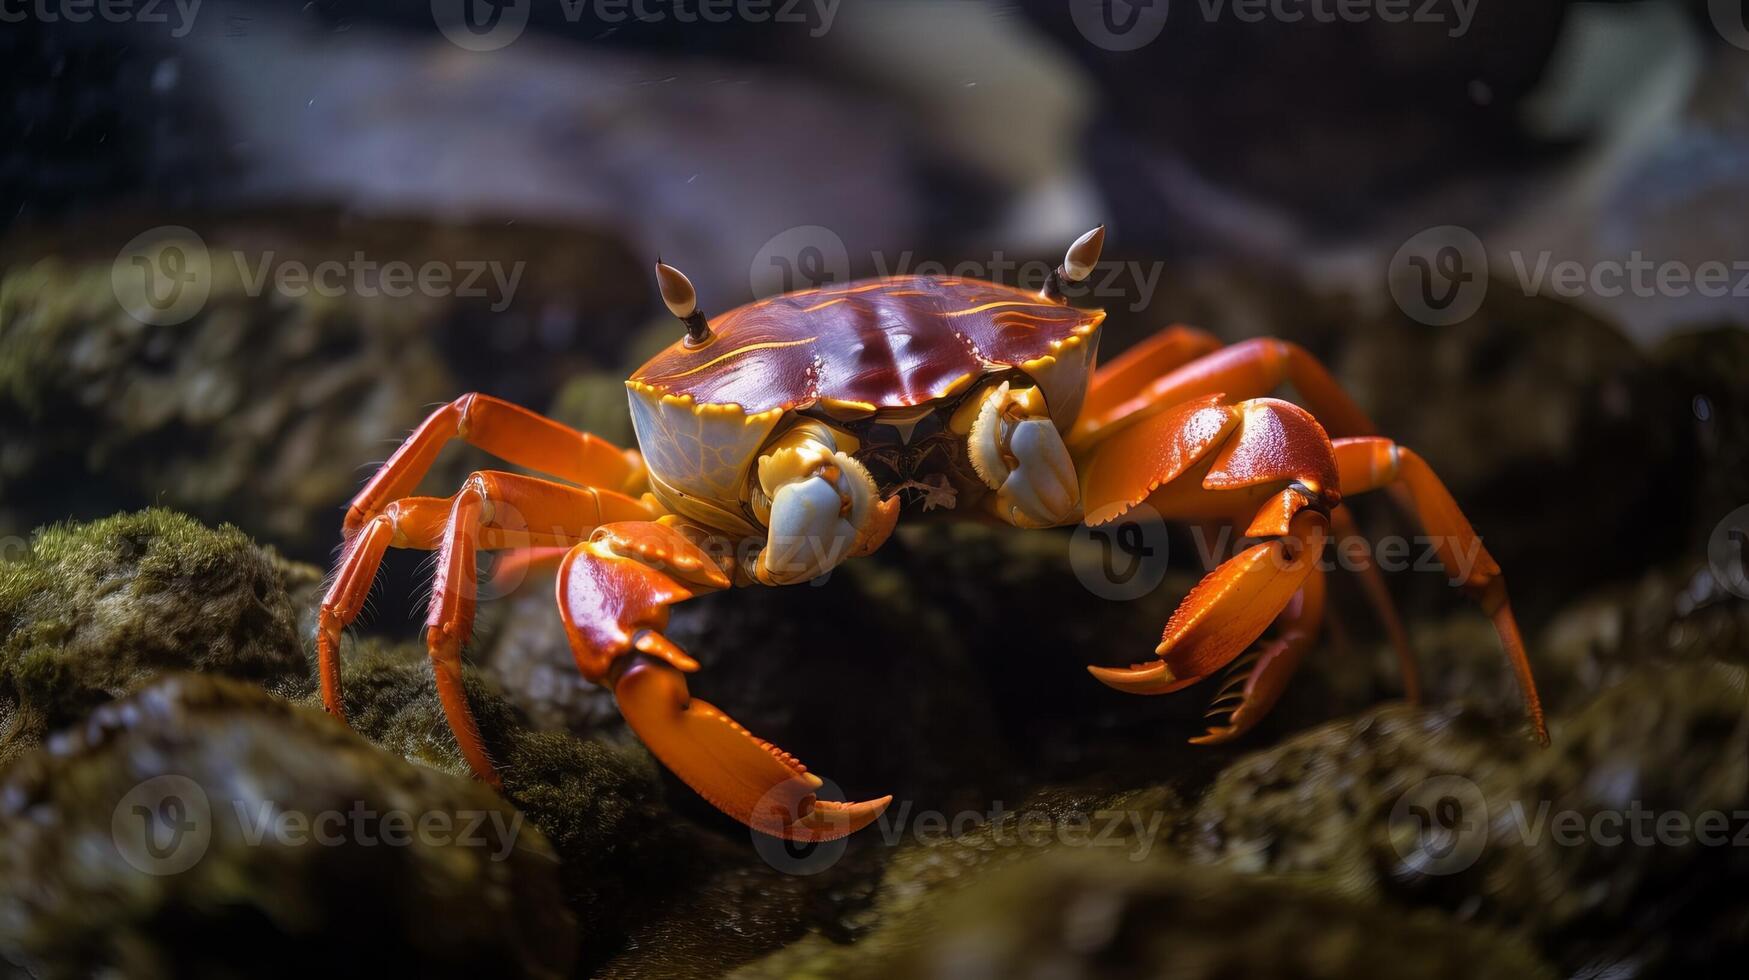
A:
[521, 512]
[508, 431]
[1375, 463]
[1250, 369]
[1378, 595]
[1114, 388]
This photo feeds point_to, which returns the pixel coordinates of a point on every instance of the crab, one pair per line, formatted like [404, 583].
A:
[782, 438]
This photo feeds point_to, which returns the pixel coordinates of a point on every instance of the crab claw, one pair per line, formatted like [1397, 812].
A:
[1018, 452]
[1226, 611]
[824, 506]
[747, 778]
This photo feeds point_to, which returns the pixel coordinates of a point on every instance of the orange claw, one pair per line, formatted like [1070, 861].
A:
[1226, 611]
[614, 594]
[747, 778]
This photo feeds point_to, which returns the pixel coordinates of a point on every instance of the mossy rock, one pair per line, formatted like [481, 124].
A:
[94, 611]
[204, 828]
[1441, 809]
[1095, 914]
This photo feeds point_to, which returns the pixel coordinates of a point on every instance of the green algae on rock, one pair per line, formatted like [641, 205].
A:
[93, 611]
[203, 827]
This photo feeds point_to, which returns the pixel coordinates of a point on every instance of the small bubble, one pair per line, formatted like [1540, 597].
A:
[1703, 409]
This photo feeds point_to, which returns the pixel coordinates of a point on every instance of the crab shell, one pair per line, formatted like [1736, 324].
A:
[885, 347]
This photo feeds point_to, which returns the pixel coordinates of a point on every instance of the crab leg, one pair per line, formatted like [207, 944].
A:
[1375, 463]
[1112, 390]
[614, 592]
[1378, 595]
[1249, 369]
[505, 430]
[1259, 677]
[520, 511]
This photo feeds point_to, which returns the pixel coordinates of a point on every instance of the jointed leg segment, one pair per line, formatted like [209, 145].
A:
[493, 510]
[1197, 444]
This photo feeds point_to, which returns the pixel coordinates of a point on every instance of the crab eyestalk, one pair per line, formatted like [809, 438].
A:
[1078, 263]
[682, 301]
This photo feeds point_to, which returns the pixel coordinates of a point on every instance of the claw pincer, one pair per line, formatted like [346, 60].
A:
[614, 592]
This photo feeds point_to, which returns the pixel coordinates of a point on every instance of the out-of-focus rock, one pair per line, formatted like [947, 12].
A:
[1100, 916]
[1568, 845]
[94, 611]
[299, 351]
[204, 828]
[1523, 410]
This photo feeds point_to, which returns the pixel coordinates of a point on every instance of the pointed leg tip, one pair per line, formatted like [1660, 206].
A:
[1153, 678]
[828, 821]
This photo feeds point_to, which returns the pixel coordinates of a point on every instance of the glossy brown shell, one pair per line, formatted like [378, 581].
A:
[875, 344]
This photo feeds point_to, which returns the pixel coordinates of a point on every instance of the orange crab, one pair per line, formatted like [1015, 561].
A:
[786, 436]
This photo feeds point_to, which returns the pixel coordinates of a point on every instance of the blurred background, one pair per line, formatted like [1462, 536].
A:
[249, 244]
